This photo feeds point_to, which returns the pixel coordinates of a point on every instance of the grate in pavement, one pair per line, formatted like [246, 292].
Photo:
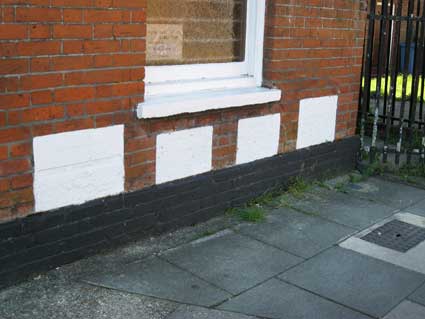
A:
[397, 235]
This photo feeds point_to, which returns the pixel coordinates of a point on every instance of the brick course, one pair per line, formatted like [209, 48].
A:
[75, 64]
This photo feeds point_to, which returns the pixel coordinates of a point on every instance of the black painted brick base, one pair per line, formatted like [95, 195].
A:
[43, 241]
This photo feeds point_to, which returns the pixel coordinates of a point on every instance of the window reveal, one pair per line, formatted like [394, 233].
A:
[195, 31]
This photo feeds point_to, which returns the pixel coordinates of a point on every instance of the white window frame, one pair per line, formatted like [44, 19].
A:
[176, 85]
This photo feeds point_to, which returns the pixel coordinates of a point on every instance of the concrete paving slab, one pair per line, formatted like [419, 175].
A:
[342, 208]
[191, 312]
[412, 259]
[158, 278]
[369, 285]
[419, 296]
[231, 261]
[300, 234]
[392, 194]
[417, 209]
[50, 298]
[276, 299]
[407, 310]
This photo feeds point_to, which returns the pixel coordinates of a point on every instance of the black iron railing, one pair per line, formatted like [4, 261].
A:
[391, 120]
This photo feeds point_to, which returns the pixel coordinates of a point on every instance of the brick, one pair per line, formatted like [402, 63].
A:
[33, 14]
[40, 64]
[21, 181]
[34, 82]
[129, 30]
[104, 16]
[13, 31]
[2, 119]
[41, 97]
[14, 134]
[43, 114]
[13, 66]
[71, 62]
[11, 101]
[72, 31]
[4, 186]
[4, 153]
[73, 125]
[21, 196]
[103, 107]
[20, 149]
[39, 31]
[101, 46]
[9, 84]
[38, 48]
[130, 4]
[73, 15]
[103, 31]
[14, 166]
[75, 94]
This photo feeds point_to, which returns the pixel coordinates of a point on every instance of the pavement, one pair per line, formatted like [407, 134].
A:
[320, 253]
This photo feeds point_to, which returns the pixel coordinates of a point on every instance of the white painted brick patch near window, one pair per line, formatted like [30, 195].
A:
[183, 153]
[74, 167]
[258, 138]
[317, 121]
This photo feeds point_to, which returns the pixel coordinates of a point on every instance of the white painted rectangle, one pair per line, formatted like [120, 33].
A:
[75, 147]
[77, 184]
[183, 153]
[317, 121]
[74, 167]
[258, 138]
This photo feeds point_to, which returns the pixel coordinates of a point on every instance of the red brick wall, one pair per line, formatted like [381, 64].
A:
[68, 65]
[314, 48]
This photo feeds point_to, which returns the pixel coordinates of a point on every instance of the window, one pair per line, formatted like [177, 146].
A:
[195, 32]
[203, 54]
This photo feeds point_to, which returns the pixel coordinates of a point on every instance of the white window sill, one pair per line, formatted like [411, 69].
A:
[169, 105]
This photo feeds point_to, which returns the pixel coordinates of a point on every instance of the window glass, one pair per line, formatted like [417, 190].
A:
[195, 31]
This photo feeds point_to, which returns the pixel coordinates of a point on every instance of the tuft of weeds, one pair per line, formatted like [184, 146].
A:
[412, 170]
[322, 184]
[251, 214]
[375, 168]
[266, 199]
[356, 178]
[298, 186]
[340, 187]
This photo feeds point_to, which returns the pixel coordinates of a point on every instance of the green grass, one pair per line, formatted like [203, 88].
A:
[412, 171]
[356, 178]
[267, 198]
[399, 86]
[298, 187]
[251, 214]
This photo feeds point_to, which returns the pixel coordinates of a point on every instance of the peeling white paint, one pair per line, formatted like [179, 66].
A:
[74, 167]
[258, 138]
[183, 153]
[317, 121]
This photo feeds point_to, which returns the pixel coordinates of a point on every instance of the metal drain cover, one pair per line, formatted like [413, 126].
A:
[396, 235]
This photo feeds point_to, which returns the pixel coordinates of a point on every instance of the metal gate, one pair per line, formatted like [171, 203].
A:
[392, 119]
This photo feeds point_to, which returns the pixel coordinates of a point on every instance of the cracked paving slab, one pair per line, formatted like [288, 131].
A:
[360, 282]
[231, 261]
[158, 278]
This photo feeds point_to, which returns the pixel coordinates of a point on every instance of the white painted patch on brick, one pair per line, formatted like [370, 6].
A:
[258, 138]
[74, 167]
[317, 121]
[183, 153]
